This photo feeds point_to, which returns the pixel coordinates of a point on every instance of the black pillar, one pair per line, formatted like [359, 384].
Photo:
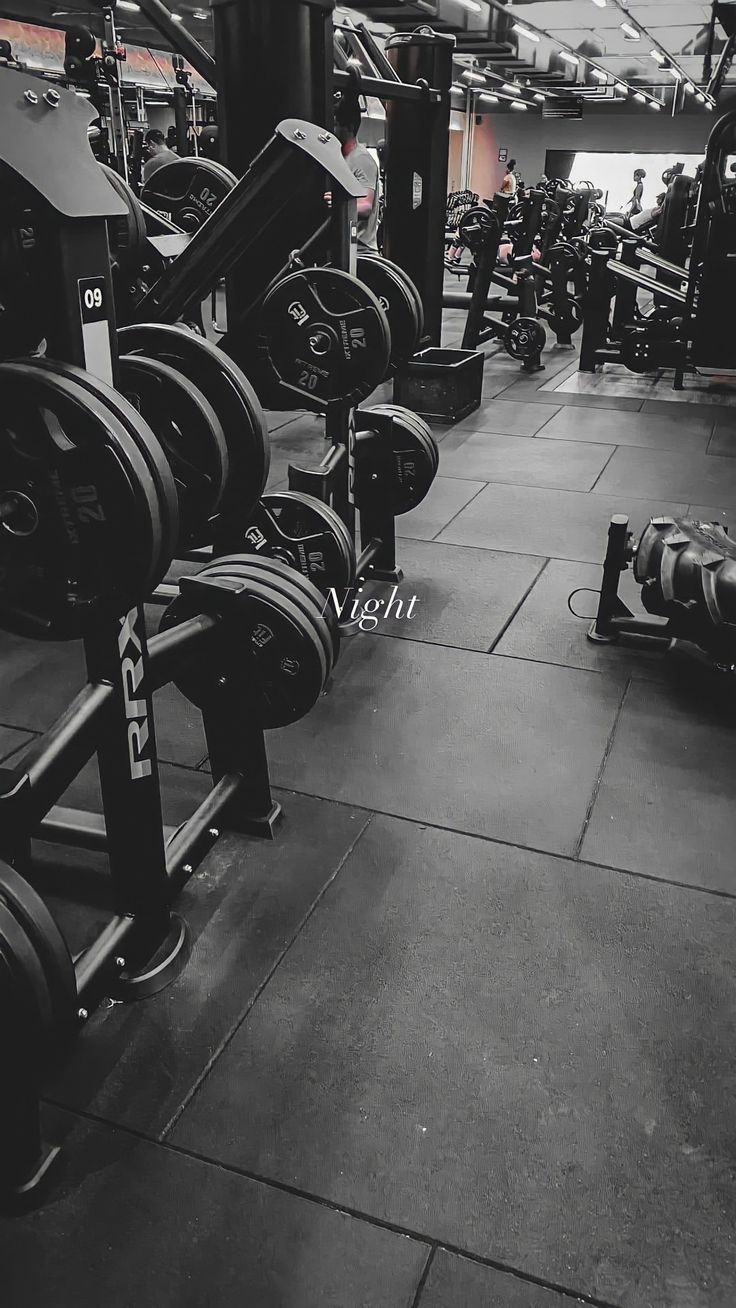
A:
[274, 60]
[417, 144]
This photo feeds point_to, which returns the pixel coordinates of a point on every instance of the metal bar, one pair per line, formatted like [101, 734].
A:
[262, 201]
[52, 762]
[386, 90]
[191, 841]
[107, 946]
[73, 826]
[180, 39]
[166, 648]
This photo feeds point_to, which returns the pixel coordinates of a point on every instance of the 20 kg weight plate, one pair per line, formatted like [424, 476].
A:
[78, 542]
[526, 337]
[164, 506]
[306, 535]
[390, 287]
[187, 191]
[186, 425]
[231, 396]
[414, 462]
[326, 335]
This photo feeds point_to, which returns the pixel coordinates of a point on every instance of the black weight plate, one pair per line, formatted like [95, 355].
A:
[76, 382]
[187, 191]
[40, 926]
[126, 235]
[398, 304]
[83, 546]
[311, 599]
[229, 392]
[287, 583]
[189, 430]
[331, 562]
[130, 441]
[17, 948]
[410, 286]
[165, 506]
[326, 335]
[418, 424]
[289, 660]
[413, 467]
[525, 338]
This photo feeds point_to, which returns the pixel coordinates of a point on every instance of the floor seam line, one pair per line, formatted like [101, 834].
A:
[599, 775]
[242, 1017]
[674, 884]
[384, 1224]
[423, 1277]
[464, 507]
[517, 608]
[603, 469]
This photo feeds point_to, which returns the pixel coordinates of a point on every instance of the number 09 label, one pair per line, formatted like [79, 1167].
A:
[95, 327]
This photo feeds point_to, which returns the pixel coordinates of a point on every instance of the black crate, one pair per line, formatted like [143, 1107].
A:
[441, 385]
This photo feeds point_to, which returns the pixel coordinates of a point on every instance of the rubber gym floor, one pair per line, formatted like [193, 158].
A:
[463, 1035]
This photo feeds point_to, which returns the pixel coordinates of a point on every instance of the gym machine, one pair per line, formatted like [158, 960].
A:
[689, 327]
[523, 338]
[296, 37]
[687, 572]
[90, 510]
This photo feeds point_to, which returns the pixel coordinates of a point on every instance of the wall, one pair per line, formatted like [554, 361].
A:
[486, 172]
[527, 138]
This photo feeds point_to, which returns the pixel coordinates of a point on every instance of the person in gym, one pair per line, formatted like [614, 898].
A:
[156, 151]
[635, 206]
[363, 166]
[508, 185]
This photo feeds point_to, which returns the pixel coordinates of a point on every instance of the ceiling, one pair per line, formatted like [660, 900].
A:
[487, 41]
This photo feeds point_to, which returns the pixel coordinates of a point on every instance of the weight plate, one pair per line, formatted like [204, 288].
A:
[326, 335]
[305, 534]
[525, 338]
[229, 392]
[288, 659]
[410, 285]
[418, 424]
[189, 430]
[413, 467]
[82, 544]
[28, 975]
[396, 301]
[570, 320]
[187, 191]
[50, 947]
[325, 514]
[478, 226]
[288, 583]
[164, 506]
[126, 235]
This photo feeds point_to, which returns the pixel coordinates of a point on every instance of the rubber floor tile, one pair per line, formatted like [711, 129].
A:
[525, 1058]
[128, 1222]
[135, 1064]
[462, 597]
[458, 738]
[560, 524]
[665, 805]
[523, 460]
